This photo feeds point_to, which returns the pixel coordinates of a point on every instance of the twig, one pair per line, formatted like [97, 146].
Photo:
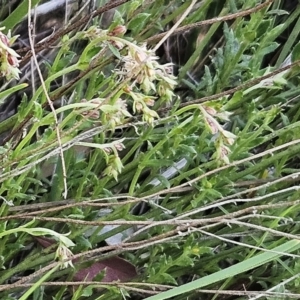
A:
[176, 221]
[243, 244]
[216, 220]
[173, 29]
[48, 100]
[64, 204]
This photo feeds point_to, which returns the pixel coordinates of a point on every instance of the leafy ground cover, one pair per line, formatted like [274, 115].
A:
[149, 150]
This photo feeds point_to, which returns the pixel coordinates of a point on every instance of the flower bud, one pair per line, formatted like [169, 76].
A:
[212, 125]
[140, 57]
[138, 106]
[9, 62]
[119, 146]
[210, 110]
[149, 101]
[127, 89]
[118, 30]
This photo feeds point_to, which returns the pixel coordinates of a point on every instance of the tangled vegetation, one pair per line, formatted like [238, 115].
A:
[149, 149]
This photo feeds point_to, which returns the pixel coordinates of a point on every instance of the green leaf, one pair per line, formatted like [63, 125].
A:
[268, 49]
[161, 180]
[184, 261]
[167, 278]
[132, 6]
[87, 291]
[17, 15]
[273, 33]
[296, 53]
[82, 241]
[250, 36]
[24, 108]
[115, 51]
[37, 111]
[278, 12]
[10, 91]
[138, 22]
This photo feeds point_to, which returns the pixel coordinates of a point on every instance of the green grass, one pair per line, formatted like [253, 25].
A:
[225, 219]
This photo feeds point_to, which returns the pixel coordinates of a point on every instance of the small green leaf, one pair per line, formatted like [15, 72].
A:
[162, 180]
[82, 241]
[17, 15]
[249, 36]
[167, 278]
[37, 111]
[8, 92]
[268, 49]
[296, 53]
[274, 33]
[87, 292]
[138, 22]
[278, 12]
[114, 50]
[184, 261]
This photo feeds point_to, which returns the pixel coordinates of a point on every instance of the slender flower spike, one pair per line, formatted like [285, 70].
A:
[9, 61]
